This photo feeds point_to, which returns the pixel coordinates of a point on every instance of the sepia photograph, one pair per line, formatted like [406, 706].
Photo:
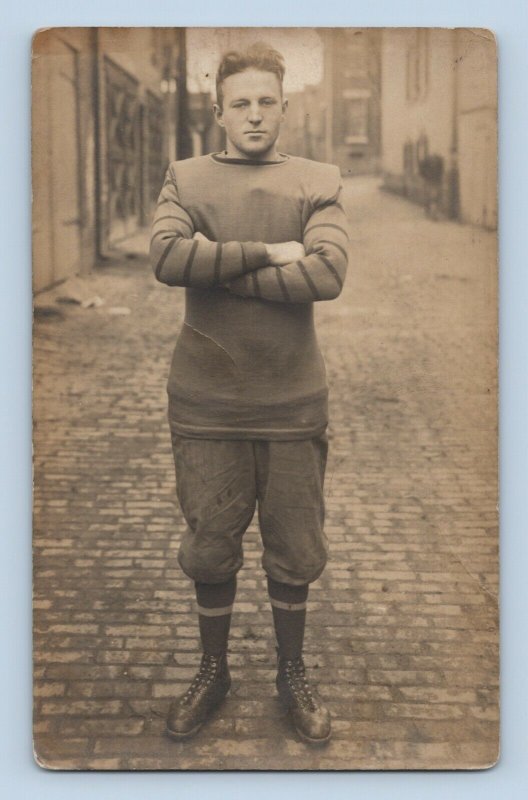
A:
[265, 513]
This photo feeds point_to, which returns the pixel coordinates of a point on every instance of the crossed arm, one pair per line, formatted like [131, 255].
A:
[318, 275]
[285, 272]
[179, 260]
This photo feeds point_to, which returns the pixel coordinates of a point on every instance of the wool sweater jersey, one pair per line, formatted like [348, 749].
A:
[246, 363]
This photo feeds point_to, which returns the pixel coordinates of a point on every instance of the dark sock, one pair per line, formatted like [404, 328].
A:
[215, 603]
[288, 604]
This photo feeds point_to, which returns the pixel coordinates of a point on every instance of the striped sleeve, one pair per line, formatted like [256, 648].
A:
[179, 260]
[319, 275]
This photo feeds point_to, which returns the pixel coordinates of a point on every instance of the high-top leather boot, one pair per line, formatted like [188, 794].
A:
[310, 717]
[208, 689]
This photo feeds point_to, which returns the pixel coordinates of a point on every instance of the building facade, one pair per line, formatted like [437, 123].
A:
[352, 84]
[107, 116]
[439, 102]
[338, 120]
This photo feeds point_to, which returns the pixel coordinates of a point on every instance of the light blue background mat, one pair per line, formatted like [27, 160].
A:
[19, 776]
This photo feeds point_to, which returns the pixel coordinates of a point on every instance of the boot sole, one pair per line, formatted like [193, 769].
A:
[180, 736]
[284, 701]
[308, 740]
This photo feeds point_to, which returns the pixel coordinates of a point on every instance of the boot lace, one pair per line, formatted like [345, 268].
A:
[203, 678]
[295, 673]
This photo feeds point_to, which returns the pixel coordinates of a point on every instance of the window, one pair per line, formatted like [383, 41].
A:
[355, 115]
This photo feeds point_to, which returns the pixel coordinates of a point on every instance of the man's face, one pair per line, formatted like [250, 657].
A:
[252, 112]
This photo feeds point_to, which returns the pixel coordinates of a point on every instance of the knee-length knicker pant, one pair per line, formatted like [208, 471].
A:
[220, 482]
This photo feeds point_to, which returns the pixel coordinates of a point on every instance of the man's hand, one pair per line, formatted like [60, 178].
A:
[278, 254]
[284, 253]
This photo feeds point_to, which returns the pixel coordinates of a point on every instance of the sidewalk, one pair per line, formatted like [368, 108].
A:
[402, 634]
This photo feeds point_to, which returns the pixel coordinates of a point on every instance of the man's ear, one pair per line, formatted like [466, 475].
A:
[217, 110]
[284, 107]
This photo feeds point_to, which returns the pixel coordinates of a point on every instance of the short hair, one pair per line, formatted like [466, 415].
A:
[257, 56]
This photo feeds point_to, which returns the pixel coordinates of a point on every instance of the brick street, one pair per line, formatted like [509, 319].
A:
[402, 633]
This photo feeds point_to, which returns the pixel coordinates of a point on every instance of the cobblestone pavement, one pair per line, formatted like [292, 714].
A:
[402, 637]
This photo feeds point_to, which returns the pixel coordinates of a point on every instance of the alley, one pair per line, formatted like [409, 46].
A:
[402, 636]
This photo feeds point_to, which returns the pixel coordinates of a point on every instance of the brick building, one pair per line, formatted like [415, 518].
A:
[106, 119]
[439, 98]
[338, 120]
[352, 75]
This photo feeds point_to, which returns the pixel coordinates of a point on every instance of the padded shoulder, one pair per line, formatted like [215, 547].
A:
[189, 167]
[321, 182]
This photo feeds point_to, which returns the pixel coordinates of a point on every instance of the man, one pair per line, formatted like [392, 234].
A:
[256, 237]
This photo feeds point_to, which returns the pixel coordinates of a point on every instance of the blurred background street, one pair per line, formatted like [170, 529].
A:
[403, 627]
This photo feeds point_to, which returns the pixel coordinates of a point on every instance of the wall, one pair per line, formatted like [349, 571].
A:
[477, 126]
[103, 131]
[439, 97]
[417, 99]
[63, 154]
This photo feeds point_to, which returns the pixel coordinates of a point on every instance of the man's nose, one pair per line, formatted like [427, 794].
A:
[255, 113]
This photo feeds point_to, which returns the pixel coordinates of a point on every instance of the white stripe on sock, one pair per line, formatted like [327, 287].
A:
[288, 606]
[214, 612]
